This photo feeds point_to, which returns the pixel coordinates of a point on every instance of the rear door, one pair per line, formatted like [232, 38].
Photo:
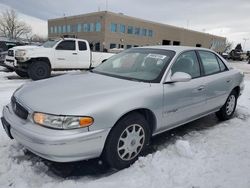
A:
[66, 56]
[84, 55]
[217, 77]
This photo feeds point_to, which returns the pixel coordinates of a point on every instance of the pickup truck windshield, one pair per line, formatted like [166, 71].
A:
[139, 64]
[50, 43]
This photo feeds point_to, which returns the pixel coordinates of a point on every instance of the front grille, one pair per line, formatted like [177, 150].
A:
[11, 53]
[19, 110]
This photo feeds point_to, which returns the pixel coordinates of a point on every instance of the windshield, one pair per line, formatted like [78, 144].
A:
[139, 64]
[50, 43]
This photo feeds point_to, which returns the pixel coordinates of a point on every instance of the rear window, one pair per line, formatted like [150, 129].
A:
[82, 45]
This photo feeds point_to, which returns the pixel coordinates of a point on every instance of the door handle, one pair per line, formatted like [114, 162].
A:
[74, 53]
[228, 81]
[201, 88]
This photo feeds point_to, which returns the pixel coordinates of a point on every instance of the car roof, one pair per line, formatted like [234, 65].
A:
[176, 48]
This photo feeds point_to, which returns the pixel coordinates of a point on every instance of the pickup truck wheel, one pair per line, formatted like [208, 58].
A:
[22, 74]
[126, 141]
[39, 70]
[227, 110]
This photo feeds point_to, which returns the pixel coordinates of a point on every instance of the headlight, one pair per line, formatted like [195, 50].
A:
[20, 53]
[62, 122]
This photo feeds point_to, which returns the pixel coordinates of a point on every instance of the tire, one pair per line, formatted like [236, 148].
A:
[126, 141]
[227, 110]
[22, 74]
[39, 70]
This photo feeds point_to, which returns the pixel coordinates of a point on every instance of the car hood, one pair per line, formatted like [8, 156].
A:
[26, 47]
[68, 94]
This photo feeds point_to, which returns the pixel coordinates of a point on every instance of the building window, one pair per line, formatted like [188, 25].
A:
[176, 43]
[112, 45]
[73, 28]
[150, 33]
[113, 27]
[64, 29]
[97, 46]
[198, 45]
[137, 31]
[79, 28]
[130, 29]
[51, 29]
[129, 46]
[166, 42]
[122, 28]
[68, 28]
[59, 28]
[144, 32]
[55, 29]
[86, 27]
[92, 27]
[98, 27]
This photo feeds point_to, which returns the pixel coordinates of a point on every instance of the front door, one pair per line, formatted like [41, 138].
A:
[184, 100]
[66, 56]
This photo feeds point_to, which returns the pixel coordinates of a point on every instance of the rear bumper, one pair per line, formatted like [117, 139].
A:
[55, 145]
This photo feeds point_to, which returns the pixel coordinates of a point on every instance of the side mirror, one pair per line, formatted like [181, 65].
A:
[179, 77]
[104, 60]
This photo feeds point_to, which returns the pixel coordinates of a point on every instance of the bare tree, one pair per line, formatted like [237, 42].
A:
[11, 27]
[228, 46]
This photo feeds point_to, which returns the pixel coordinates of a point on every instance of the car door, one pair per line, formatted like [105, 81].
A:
[184, 100]
[66, 56]
[84, 56]
[218, 79]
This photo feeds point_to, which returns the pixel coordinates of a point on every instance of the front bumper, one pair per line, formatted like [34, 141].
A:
[54, 145]
[10, 63]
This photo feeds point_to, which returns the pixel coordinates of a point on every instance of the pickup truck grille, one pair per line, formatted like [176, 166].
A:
[11, 53]
[19, 110]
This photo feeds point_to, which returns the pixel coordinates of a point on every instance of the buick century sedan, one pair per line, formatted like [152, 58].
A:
[113, 110]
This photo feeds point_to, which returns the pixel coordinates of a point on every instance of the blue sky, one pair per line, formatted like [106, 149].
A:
[227, 18]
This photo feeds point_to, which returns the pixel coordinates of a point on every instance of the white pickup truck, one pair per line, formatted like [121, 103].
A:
[37, 62]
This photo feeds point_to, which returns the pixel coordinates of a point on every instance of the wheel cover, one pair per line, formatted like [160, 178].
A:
[131, 142]
[230, 104]
[40, 71]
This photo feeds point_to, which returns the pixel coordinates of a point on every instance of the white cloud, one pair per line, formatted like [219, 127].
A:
[228, 18]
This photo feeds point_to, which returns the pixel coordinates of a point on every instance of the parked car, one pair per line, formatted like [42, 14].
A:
[37, 62]
[113, 110]
[225, 55]
[4, 47]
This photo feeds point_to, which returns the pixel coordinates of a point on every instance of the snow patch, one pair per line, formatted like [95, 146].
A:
[184, 149]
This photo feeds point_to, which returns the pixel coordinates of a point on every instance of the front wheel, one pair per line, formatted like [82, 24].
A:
[227, 110]
[39, 70]
[126, 141]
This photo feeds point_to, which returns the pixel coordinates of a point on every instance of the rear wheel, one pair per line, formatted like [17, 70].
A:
[126, 141]
[227, 110]
[39, 70]
[23, 74]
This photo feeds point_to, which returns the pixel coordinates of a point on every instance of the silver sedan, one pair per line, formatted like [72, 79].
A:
[114, 110]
